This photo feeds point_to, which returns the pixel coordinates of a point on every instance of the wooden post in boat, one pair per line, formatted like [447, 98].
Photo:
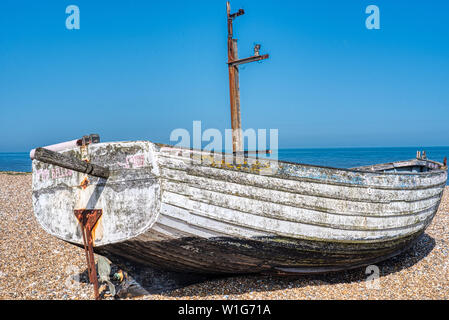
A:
[234, 90]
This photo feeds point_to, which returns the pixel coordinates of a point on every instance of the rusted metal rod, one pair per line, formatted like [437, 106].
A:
[88, 219]
[246, 60]
[71, 163]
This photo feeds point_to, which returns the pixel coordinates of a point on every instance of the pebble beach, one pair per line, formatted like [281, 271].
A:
[36, 265]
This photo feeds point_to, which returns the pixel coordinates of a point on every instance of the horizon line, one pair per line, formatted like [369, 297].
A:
[308, 148]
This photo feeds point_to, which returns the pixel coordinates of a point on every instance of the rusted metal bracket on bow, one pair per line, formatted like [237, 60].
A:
[88, 218]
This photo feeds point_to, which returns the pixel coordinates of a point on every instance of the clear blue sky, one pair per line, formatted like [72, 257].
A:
[139, 69]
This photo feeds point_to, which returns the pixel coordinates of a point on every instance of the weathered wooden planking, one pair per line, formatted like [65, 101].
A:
[206, 204]
[302, 172]
[180, 184]
[188, 210]
[210, 219]
[263, 254]
[129, 198]
[300, 188]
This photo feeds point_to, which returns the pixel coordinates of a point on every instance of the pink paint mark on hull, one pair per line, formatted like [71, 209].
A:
[58, 172]
[134, 161]
[54, 173]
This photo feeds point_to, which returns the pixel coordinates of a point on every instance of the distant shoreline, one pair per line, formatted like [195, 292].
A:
[15, 172]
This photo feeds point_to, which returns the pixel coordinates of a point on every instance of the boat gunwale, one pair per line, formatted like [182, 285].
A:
[320, 181]
[432, 171]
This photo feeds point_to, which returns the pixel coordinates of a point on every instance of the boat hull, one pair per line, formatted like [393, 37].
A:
[258, 255]
[196, 211]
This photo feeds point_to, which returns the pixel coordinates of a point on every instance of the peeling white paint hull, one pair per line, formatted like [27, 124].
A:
[192, 211]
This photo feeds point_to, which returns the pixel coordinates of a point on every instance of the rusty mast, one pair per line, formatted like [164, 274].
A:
[233, 66]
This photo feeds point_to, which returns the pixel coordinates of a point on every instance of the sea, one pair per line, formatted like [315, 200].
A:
[330, 157]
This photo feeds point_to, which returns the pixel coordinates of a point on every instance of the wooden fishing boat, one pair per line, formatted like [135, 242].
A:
[197, 211]
[217, 213]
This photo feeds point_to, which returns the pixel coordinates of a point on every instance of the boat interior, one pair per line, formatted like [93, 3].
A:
[413, 166]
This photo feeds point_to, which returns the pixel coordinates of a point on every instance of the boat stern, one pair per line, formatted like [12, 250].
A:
[126, 203]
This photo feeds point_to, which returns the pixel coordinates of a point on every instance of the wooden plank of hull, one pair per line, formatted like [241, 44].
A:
[302, 172]
[268, 212]
[267, 254]
[304, 188]
[213, 216]
[254, 195]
